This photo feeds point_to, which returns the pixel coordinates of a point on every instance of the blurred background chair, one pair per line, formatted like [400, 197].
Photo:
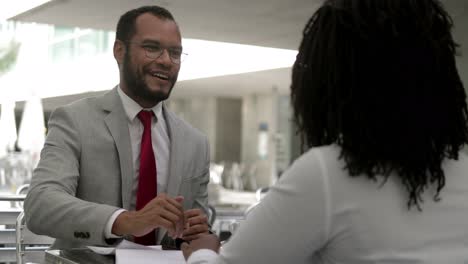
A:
[9, 212]
[261, 192]
[210, 212]
[17, 243]
[30, 248]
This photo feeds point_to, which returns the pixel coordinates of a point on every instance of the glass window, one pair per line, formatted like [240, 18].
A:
[62, 32]
[62, 51]
[88, 44]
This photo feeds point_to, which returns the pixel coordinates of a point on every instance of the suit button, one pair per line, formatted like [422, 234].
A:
[83, 235]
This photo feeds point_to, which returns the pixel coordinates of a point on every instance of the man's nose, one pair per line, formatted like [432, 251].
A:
[164, 58]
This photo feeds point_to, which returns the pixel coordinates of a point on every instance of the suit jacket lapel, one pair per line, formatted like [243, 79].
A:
[116, 122]
[176, 135]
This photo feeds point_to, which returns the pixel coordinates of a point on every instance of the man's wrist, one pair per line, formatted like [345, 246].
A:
[110, 223]
[121, 226]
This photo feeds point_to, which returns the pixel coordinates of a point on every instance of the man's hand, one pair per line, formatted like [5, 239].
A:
[203, 242]
[196, 224]
[180, 224]
[162, 211]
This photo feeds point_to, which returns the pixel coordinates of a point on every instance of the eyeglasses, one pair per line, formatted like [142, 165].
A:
[154, 51]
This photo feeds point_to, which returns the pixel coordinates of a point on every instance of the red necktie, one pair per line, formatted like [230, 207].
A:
[147, 178]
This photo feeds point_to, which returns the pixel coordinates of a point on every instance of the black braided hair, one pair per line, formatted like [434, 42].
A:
[379, 79]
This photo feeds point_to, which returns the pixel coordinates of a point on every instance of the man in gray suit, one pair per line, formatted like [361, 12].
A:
[86, 189]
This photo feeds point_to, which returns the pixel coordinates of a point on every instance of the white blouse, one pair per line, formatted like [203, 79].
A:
[317, 213]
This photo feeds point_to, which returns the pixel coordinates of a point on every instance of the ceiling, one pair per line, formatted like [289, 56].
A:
[271, 23]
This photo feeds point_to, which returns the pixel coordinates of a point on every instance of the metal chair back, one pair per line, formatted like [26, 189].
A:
[8, 215]
[29, 246]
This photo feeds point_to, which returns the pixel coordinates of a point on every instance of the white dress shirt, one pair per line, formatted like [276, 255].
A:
[161, 147]
[318, 214]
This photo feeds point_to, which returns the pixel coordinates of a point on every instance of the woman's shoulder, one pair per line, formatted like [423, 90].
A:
[315, 163]
[324, 156]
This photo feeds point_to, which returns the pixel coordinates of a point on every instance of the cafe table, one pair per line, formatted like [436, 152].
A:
[127, 252]
[77, 256]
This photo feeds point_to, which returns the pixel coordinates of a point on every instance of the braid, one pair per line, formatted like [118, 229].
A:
[379, 79]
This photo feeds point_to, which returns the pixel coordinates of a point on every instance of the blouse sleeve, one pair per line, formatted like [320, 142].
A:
[291, 222]
[202, 256]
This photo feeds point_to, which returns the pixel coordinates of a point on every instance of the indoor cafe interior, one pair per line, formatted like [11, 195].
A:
[234, 86]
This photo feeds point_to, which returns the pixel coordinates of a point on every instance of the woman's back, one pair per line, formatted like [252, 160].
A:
[378, 100]
[317, 213]
[371, 223]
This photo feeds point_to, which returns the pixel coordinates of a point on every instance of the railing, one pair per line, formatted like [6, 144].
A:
[8, 217]
[19, 244]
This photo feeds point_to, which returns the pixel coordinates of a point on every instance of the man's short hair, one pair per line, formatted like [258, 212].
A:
[126, 25]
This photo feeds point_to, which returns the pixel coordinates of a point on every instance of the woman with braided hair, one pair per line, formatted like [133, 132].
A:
[383, 117]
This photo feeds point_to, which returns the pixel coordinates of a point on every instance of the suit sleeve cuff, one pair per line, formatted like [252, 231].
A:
[108, 231]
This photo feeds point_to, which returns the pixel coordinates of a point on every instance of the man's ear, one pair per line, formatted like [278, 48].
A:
[119, 51]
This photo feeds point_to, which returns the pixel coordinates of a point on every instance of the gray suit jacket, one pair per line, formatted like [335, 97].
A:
[85, 172]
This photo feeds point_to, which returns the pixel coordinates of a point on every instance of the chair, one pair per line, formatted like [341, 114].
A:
[19, 244]
[29, 246]
[21, 191]
[8, 215]
[261, 192]
[209, 211]
[211, 214]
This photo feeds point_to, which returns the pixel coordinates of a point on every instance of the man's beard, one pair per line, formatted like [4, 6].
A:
[137, 85]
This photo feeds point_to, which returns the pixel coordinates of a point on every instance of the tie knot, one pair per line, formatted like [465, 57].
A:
[145, 117]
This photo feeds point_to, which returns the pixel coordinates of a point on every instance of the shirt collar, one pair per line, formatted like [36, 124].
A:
[132, 108]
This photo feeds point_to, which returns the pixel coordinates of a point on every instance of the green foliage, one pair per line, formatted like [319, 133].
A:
[8, 56]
